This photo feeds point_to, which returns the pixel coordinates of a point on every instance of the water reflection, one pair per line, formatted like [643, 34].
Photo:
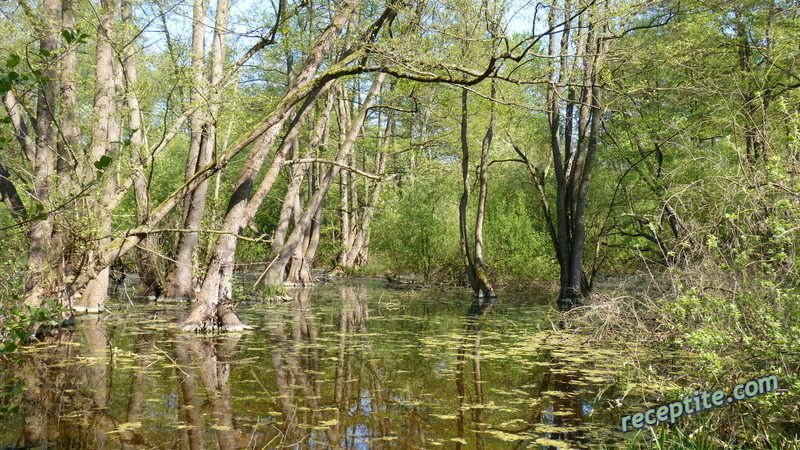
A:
[472, 334]
[66, 392]
[339, 366]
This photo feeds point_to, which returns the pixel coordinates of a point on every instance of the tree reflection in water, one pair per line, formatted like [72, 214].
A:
[336, 367]
[66, 397]
[472, 334]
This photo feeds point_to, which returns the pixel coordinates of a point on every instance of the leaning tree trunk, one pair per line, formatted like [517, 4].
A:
[358, 254]
[147, 263]
[213, 308]
[105, 131]
[485, 286]
[179, 280]
[10, 196]
[474, 266]
[275, 272]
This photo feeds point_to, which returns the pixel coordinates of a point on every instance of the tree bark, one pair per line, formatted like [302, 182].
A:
[574, 177]
[213, 309]
[275, 272]
[358, 254]
[301, 264]
[469, 267]
[42, 256]
[179, 280]
[147, 263]
[10, 196]
[484, 285]
[104, 132]
[474, 266]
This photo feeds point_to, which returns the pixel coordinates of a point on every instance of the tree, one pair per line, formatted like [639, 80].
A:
[214, 306]
[203, 140]
[574, 68]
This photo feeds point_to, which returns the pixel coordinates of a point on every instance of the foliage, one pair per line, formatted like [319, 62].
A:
[418, 225]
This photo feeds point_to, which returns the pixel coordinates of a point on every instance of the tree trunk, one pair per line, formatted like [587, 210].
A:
[147, 263]
[10, 195]
[213, 308]
[274, 274]
[574, 176]
[303, 256]
[475, 267]
[358, 255]
[484, 285]
[42, 256]
[288, 207]
[344, 181]
[300, 269]
[179, 280]
[67, 167]
[105, 131]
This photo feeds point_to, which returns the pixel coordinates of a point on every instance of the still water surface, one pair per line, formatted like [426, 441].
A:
[348, 364]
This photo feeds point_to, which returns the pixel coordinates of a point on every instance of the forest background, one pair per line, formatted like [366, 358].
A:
[568, 145]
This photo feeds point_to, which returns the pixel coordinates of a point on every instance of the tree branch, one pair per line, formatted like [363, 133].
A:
[334, 163]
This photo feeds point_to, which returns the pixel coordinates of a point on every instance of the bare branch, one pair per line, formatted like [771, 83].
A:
[334, 163]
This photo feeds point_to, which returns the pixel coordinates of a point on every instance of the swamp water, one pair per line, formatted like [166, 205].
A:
[345, 364]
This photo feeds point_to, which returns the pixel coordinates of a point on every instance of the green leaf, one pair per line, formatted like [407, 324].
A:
[12, 60]
[102, 163]
[68, 35]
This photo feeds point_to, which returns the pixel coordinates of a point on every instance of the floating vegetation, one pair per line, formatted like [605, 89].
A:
[330, 362]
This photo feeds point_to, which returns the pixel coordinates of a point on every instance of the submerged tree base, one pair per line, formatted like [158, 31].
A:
[221, 320]
[173, 299]
[214, 327]
[80, 309]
